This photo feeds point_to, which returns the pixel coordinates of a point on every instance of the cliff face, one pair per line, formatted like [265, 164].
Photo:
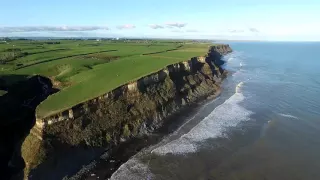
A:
[134, 109]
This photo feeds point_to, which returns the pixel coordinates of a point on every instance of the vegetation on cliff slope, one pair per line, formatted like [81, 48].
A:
[33, 152]
[84, 69]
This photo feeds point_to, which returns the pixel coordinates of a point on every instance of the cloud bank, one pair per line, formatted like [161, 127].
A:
[236, 31]
[254, 30]
[126, 26]
[192, 30]
[172, 25]
[156, 26]
[242, 31]
[176, 25]
[51, 28]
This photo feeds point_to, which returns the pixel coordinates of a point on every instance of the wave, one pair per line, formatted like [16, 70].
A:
[238, 87]
[288, 116]
[229, 59]
[191, 118]
[233, 58]
[228, 114]
[133, 169]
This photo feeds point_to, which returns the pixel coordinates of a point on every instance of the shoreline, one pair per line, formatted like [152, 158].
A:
[111, 160]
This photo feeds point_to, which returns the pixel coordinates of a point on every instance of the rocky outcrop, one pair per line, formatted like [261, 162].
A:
[131, 110]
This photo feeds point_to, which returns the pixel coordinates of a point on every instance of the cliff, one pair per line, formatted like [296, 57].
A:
[131, 110]
[17, 115]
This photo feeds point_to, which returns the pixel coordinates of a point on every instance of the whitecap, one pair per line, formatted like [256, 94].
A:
[288, 116]
[238, 87]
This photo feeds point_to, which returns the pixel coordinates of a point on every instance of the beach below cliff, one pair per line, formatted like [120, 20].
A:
[104, 166]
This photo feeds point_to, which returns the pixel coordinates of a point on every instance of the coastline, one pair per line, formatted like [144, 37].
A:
[109, 162]
[135, 115]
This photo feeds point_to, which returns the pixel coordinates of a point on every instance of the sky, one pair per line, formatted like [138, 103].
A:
[274, 20]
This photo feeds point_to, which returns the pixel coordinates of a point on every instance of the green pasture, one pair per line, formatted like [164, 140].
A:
[84, 69]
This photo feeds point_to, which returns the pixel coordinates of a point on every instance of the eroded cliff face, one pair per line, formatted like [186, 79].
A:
[132, 110]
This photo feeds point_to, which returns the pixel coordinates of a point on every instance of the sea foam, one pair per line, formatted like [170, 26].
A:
[228, 114]
[133, 169]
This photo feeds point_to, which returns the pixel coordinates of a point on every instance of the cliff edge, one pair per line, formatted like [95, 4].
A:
[60, 144]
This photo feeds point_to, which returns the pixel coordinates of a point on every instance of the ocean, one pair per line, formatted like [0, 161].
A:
[265, 125]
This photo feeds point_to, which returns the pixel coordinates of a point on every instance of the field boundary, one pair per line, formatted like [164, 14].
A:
[158, 52]
[51, 50]
[45, 61]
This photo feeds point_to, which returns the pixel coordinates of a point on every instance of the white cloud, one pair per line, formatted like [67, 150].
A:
[126, 26]
[236, 31]
[172, 25]
[243, 31]
[192, 30]
[50, 28]
[254, 30]
[177, 31]
[176, 25]
[156, 26]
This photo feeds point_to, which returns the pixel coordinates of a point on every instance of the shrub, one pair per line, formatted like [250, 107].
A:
[126, 131]
[11, 55]
[108, 137]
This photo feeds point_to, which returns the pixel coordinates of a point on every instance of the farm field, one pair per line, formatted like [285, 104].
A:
[84, 69]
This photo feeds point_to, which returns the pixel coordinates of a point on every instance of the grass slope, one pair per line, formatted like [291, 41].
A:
[83, 69]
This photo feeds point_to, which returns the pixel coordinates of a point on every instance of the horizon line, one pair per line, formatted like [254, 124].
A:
[123, 37]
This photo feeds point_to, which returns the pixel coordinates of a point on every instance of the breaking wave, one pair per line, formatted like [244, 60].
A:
[133, 169]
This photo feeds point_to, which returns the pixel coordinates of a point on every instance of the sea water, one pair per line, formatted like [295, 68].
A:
[265, 125]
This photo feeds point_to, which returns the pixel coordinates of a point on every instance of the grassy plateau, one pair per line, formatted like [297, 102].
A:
[84, 69]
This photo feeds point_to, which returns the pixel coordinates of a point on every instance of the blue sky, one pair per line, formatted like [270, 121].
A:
[296, 20]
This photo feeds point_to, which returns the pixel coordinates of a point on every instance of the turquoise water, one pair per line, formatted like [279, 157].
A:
[264, 126]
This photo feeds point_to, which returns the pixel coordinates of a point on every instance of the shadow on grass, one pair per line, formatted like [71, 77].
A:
[7, 80]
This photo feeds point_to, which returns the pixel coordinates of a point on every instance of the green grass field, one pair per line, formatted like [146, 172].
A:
[84, 69]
